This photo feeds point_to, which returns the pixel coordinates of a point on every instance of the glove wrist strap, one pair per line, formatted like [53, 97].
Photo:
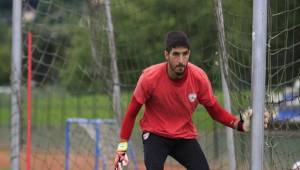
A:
[122, 147]
[240, 126]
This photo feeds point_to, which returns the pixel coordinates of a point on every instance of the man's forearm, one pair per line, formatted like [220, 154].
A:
[221, 115]
[129, 119]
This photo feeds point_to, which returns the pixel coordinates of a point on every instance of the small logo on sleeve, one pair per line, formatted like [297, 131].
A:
[192, 96]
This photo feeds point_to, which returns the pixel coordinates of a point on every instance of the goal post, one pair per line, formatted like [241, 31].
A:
[259, 43]
[88, 140]
[262, 53]
[76, 73]
[15, 82]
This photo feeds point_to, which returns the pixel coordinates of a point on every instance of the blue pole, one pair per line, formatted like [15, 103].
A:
[97, 154]
[67, 145]
[97, 123]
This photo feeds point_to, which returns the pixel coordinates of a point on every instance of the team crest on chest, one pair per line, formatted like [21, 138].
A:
[192, 96]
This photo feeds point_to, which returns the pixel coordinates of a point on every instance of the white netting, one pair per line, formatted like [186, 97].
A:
[90, 144]
[74, 74]
[283, 74]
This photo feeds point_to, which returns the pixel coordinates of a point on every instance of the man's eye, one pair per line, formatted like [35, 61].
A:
[176, 54]
[185, 53]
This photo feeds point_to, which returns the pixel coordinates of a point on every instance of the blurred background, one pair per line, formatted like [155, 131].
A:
[87, 56]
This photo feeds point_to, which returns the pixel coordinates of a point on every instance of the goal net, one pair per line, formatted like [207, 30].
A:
[87, 57]
[281, 149]
[88, 144]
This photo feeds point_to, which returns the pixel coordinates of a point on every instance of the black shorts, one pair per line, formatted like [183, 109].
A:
[186, 151]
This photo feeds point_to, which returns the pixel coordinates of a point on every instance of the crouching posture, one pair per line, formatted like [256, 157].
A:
[171, 92]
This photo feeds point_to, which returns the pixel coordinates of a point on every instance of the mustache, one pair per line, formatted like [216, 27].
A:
[180, 65]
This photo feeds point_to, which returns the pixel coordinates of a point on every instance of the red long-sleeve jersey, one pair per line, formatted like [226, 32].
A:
[169, 104]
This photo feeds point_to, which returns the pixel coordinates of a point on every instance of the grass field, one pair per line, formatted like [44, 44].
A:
[53, 106]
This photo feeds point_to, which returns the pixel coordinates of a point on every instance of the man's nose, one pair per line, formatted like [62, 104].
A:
[181, 58]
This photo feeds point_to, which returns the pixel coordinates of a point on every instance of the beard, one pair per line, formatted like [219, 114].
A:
[178, 69]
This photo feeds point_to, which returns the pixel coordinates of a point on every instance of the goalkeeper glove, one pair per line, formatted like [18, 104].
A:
[245, 117]
[121, 158]
[267, 115]
[244, 123]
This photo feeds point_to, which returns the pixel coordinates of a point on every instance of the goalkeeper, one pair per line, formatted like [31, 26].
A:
[171, 92]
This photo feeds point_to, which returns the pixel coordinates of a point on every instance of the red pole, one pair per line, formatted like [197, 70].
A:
[29, 78]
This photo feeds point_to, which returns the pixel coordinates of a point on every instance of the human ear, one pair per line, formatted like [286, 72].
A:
[166, 54]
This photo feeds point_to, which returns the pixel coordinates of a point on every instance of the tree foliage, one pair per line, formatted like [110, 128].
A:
[139, 29]
[5, 54]
[141, 26]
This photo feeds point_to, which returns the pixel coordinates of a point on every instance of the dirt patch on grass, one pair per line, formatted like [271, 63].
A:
[4, 159]
[55, 160]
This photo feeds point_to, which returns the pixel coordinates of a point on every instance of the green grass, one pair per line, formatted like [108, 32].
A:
[4, 109]
[52, 106]
[202, 119]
